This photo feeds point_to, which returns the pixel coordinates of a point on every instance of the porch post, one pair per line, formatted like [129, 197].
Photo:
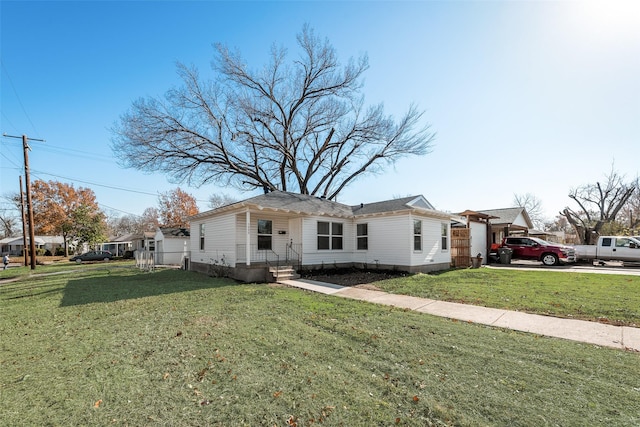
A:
[248, 237]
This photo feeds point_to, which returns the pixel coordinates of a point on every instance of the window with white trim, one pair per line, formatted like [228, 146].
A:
[202, 237]
[445, 236]
[417, 235]
[362, 237]
[265, 227]
[336, 235]
[330, 235]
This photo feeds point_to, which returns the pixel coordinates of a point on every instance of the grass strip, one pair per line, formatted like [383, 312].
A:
[121, 347]
[604, 298]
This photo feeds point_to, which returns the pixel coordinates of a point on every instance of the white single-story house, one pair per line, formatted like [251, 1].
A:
[15, 245]
[307, 232]
[130, 242]
[171, 245]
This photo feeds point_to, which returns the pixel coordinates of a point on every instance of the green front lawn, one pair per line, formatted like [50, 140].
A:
[114, 346]
[598, 297]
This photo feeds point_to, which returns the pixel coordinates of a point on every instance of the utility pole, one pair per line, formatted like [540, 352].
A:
[24, 223]
[32, 237]
[32, 234]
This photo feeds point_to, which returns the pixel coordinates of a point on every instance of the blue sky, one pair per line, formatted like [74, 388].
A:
[526, 97]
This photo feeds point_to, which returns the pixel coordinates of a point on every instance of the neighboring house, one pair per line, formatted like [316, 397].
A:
[130, 242]
[171, 246]
[308, 232]
[15, 245]
[508, 221]
[558, 237]
[549, 236]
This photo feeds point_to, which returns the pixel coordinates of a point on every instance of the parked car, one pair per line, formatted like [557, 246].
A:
[610, 248]
[532, 248]
[93, 256]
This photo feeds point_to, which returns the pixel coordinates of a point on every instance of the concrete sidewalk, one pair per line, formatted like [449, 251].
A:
[620, 337]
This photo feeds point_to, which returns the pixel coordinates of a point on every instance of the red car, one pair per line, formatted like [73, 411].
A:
[532, 248]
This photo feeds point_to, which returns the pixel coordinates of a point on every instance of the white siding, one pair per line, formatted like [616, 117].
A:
[520, 221]
[295, 230]
[174, 249]
[478, 239]
[194, 241]
[219, 239]
[432, 251]
[279, 223]
[390, 240]
[313, 256]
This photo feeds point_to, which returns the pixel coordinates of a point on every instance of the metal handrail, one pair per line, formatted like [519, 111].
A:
[269, 256]
[291, 252]
[266, 257]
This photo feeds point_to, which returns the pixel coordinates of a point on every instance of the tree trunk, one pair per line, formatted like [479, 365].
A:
[66, 246]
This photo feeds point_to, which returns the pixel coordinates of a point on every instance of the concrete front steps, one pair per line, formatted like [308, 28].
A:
[283, 272]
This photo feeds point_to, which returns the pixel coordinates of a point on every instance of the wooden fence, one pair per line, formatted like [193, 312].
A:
[461, 247]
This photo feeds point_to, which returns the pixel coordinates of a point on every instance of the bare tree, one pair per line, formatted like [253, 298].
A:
[599, 204]
[301, 126]
[127, 224]
[630, 214]
[559, 223]
[218, 200]
[533, 206]
[150, 219]
[9, 224]
[10, 215]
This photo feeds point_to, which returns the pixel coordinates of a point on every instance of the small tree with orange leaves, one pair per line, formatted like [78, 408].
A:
[61, 209]
[175, 207]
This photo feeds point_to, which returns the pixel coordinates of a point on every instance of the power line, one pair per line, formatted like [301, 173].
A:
[72, 152]
[5, 152]
[18, 97]
[8, 121]
[76, 153]
[112, 187]
[119, 210]
[37, 173]
[17, 166]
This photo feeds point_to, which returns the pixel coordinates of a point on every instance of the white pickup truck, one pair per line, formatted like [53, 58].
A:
[610, 248]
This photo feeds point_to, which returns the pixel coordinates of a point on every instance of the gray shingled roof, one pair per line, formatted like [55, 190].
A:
[299, 203]
[130, 237]
[506, 215]
[175, 232]
[384, 206]
[312, 205]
